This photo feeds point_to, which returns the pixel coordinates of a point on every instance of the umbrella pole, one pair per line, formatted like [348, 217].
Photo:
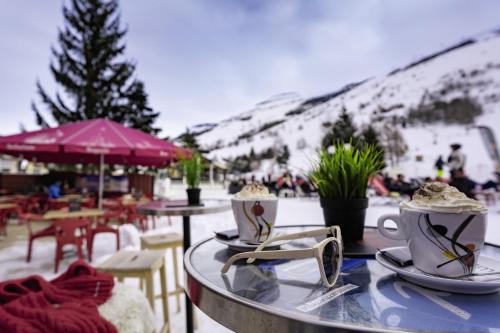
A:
[101, 179]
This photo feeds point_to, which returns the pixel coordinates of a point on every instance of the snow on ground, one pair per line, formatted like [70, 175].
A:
[292, 211]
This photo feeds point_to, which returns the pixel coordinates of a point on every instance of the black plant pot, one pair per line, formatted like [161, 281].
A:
[349, 215]
[193, 196]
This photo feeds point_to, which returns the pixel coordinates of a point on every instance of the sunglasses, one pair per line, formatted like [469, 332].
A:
[328, 253]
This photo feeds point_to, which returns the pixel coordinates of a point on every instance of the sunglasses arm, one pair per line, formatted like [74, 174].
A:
[279, 254]
[299, 235]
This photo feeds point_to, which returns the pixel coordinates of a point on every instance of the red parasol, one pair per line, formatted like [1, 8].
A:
[95, 141]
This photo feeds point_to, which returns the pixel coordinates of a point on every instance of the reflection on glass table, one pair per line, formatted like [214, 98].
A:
[288, 296]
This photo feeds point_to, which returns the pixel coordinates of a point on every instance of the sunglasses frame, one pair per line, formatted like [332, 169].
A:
[316, 251]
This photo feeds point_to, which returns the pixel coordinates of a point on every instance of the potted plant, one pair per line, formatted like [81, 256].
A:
[342, 179]
[193, 168]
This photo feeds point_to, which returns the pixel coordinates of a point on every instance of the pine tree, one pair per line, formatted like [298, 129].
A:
[253, 160]
[371, 137]
[343, 130]
[283, 156]
[188, 140]
[22, 128]
[89, 67]
[252, 154]
[393, 142]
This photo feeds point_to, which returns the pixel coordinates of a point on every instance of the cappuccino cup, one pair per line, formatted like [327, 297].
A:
[445, 233]
[254, 210]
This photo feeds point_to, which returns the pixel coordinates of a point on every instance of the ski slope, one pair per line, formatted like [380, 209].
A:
[471, 68]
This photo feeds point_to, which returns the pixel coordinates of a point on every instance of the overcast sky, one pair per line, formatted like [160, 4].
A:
[205, 60]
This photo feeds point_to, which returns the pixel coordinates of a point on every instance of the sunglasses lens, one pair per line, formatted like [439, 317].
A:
[331, 260]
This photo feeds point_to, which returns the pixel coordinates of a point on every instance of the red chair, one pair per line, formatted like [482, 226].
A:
[5, 214]
[37, 203]
[55, 204]
[66, 233]
[126, 213]
[3, 223]
[24, 207]
[114, 210]
[89, 202]
[133, 216]
[28, 218]
[103, 227]
[23, 204]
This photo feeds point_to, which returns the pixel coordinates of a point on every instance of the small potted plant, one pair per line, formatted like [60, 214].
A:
[193, 168]
[342, 179]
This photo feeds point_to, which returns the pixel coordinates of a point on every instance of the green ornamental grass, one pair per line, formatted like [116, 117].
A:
[193, 168]
[345, 173]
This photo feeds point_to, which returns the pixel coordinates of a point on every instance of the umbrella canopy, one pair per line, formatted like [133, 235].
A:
[96, 141]
[86, 141]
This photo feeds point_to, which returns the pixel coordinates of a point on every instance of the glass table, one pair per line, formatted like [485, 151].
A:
[288, 296]
[162, 208]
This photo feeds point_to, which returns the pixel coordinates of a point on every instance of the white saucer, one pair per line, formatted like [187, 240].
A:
[237, 245]
[486, 284]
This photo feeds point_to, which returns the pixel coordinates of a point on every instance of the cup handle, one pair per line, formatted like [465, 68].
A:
[398, 234]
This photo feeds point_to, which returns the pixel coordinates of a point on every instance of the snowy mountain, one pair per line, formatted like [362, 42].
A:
[469, 69]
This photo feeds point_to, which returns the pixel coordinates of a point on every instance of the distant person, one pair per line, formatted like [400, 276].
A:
[242, 182]
[463, 183]
[492, 184]
[85, 191]
[55, 190]
[427, 179]
[235, 186]
[67, 189]
[403, 186]
[456, 160]
[285, 182]
[439, 167]
[303, 186]
[378, 184]
[387, 181]
[271, 184]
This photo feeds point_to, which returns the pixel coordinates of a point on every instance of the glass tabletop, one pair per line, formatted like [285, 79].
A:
[180, 207]
[378, 300]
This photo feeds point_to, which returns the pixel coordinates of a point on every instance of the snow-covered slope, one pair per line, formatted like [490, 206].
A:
[247, 124]
[470, 68]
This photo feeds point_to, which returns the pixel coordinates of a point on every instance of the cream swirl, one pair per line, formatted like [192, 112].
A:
[441, 197]
[255, 190]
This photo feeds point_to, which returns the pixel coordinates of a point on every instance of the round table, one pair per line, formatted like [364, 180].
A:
[180, 208]
[288, 296]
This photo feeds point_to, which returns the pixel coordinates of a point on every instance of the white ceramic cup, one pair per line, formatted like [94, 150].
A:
[254, 217]
[446, 244]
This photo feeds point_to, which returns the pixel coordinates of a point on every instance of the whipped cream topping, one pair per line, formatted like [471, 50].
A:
[255, 190]
[441, 197]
